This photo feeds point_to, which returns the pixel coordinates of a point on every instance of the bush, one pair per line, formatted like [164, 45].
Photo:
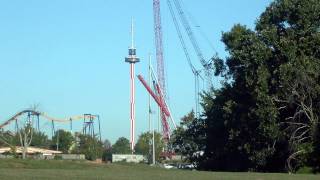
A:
[305, 170]
[107, 156]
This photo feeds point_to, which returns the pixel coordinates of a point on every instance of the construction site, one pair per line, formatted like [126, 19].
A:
[160, 89]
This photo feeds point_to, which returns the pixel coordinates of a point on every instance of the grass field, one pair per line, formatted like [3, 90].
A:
[65, 170]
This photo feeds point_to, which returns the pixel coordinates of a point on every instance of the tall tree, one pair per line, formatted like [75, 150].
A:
[144, 144]
[40, 139]
[107, 144]
[62, 141]
[121, 146]
[265, 116]
[189, 138]
[291, 30]
[90, 146]
[8, 139]
[107, 151]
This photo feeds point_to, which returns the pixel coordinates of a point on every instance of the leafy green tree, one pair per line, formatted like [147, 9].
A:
[144, 145]
[241, 116]
[107, 151]
[62, 141]
[107, 144]
[40, 139]
[121, 146]
[90, 146]
[188, 138]
[7, 138]
[291, 29]
[265, 116]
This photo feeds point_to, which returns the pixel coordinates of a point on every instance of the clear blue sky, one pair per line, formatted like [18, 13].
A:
[67, 56]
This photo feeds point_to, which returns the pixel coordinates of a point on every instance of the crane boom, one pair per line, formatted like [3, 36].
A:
[165, 113]
[192, 39]
[158, 100]
[155, 81]
[195, 72]
[191, 36]
[182, 42]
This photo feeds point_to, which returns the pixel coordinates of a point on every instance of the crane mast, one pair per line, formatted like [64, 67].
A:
[159, 46]
[161, 89]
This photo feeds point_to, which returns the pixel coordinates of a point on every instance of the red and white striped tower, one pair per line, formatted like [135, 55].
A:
[132, 59]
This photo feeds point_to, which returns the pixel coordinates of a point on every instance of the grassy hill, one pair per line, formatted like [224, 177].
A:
[56, 169]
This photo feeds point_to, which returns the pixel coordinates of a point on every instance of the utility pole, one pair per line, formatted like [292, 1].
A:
[151, 125]
[153, 147]
[57, 143]
[159, 119]
[149, 97]
[149, 109]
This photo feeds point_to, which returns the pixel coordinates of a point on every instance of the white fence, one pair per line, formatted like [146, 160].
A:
[128, 158]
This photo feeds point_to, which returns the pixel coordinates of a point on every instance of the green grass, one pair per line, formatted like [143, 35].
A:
[57, 169]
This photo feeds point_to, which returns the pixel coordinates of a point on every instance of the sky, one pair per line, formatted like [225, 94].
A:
[67, 56]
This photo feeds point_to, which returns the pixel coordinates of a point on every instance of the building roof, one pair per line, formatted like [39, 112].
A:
[31, 150]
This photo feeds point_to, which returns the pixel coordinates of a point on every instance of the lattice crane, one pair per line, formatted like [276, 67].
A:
[195, 72]
[193, 40]
[159, 46]
[160, 96]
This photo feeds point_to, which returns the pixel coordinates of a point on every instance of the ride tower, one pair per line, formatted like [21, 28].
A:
[132, 58]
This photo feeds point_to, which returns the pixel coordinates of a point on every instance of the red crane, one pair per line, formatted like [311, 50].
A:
[161, 85]
[165, 113]
[159, 46]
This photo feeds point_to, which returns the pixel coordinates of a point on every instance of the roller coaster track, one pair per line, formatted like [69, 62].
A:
[45, 116]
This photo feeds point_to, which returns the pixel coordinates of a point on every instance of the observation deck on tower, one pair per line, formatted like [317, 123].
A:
[132, 58]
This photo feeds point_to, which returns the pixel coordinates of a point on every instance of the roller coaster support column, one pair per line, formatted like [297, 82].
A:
[71, 125]
[52, 129]
[38, 123]
[16, 125]
[99, 127]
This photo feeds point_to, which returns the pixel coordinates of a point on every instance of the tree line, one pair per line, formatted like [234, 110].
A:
[77, 143]
[62, 140]
[265, 117]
